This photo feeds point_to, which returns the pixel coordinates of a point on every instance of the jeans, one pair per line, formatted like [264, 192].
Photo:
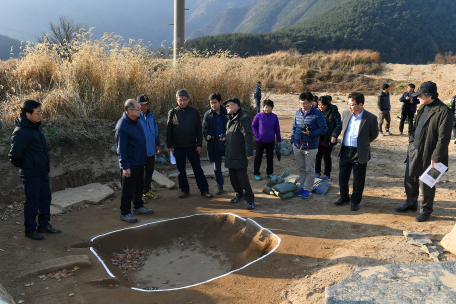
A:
[409, 116]
[38, 199]
[181, 154]
[348, 161]
[305, 161]
[132, 189]
[259, 157]
[217, 154]
[148, 172]
[325, 153]
[241, 184]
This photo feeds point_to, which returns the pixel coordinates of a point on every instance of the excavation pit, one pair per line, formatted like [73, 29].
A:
[182, 252]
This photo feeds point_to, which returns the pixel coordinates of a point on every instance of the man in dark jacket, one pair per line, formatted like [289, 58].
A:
[131, 148]
[308, 125]
[408, 108]
[214, 130]
[428, 144]
[239, 151]
[184, 138]
[29, 152]
[257, 96]
[384, 109]
[453, 109]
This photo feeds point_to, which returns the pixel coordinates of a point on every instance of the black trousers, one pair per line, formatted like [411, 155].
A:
[260, 147]
[413, 185]
[132, 189]
[38, 199]
[181, 155]
[406, 115]
[241, 184]
[148, 172]
[325, 153]
[348, 161]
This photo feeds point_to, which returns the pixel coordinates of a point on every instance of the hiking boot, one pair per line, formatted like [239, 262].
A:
[207, 194]
[257, 177]
[48, 229]
[422, 217]
[306, 194]
[237, 199]
[250, 205]
[317, 175]
[35, 235]
[325, 177]
[129, 218]
[300, 192]
[405, 208]
[142, 210]
[219, 190]
[184, 194]
[151, 195]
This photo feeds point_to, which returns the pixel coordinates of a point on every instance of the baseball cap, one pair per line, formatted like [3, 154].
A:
[426, 87]
[142, 99]
[234, 99]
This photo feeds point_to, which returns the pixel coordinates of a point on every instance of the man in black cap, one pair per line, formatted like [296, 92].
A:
[184, 137]
[238, 151]
[408, 108]
[428, 144]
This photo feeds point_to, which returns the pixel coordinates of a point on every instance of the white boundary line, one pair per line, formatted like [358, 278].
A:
[139, 289]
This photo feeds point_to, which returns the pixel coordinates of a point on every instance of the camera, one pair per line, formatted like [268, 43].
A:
[306, 128]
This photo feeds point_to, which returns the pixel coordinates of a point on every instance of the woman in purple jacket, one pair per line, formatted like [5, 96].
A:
[266, 128]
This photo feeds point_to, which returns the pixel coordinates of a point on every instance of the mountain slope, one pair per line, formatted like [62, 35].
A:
[406, 31]
[5, 47]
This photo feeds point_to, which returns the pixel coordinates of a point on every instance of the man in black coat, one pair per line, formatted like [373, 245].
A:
[408, 108]
[384, 109]
[29, 152]
[428, 144]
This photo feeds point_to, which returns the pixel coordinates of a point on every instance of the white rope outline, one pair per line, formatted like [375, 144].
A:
[139, 289]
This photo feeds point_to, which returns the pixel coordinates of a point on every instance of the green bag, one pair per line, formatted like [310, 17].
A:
[286, 195]
[284, 188]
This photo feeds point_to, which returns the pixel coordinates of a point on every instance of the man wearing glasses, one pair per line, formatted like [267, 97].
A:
[132, 151]
[29, 152]
[359, 129]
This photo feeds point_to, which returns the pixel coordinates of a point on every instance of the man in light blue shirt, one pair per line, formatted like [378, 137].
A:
[359, 129]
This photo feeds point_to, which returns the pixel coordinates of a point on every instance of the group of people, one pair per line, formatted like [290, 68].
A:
[229, 133]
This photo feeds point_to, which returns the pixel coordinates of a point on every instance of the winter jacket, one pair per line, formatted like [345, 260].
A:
[453, 109]
[149, 124]
[238, 145]
[257, 93]
[130, 143]
[184, 128]
[29, 150]
[434, 137]
[317, 122]
[406, 105]
[383, 101]
[209, 129]
[266, 128]
[334, 124]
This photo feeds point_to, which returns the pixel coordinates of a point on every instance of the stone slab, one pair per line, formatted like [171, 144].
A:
[62, 201]
[5, 297]
[162, 180]
[207, 169]
[67, 263]
[419, 242]
[433, 251]
[397, 283]
[449, 241]
[418, 235]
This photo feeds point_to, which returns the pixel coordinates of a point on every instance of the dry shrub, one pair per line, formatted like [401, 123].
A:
[447, 58]
[103, 73]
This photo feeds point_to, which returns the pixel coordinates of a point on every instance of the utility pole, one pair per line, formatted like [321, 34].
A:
[179, 28]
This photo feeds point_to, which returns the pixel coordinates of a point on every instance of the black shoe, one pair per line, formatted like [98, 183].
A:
[354, 206]
[237, 199]
[49, 229]
[184, 194]
[250, 205]
[405, 208]
[206, 194]
[340, 202]
[422, 217]
[35, 235]
[219, 190]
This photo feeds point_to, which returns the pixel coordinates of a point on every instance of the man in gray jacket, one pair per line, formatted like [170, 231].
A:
[428, 144]
[238, 151]
[384, 109]
[359, 129]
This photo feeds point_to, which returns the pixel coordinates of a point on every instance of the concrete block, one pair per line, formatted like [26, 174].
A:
[162, 180]
[207, 169]
[449, 241]
[73, 197]
[433, 251]
[67, 263]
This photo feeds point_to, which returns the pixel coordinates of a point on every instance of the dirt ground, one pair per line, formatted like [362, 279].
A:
[321, 244]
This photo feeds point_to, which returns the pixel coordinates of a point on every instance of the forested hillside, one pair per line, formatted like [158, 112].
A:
[404, 31]
[5, 47]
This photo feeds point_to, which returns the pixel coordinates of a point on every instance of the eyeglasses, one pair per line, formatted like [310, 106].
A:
[230, 105]
[38, 114]
[139, 109]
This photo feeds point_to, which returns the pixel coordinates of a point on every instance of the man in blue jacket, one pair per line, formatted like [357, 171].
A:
[308, 125]
[29, 152]
[131, 148]
[149, 124]
[408, 108]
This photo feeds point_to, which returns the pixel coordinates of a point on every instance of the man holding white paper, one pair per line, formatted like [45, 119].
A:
[428, 145]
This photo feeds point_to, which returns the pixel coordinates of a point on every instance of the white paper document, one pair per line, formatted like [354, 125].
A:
[172, 158]
[432, 175]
